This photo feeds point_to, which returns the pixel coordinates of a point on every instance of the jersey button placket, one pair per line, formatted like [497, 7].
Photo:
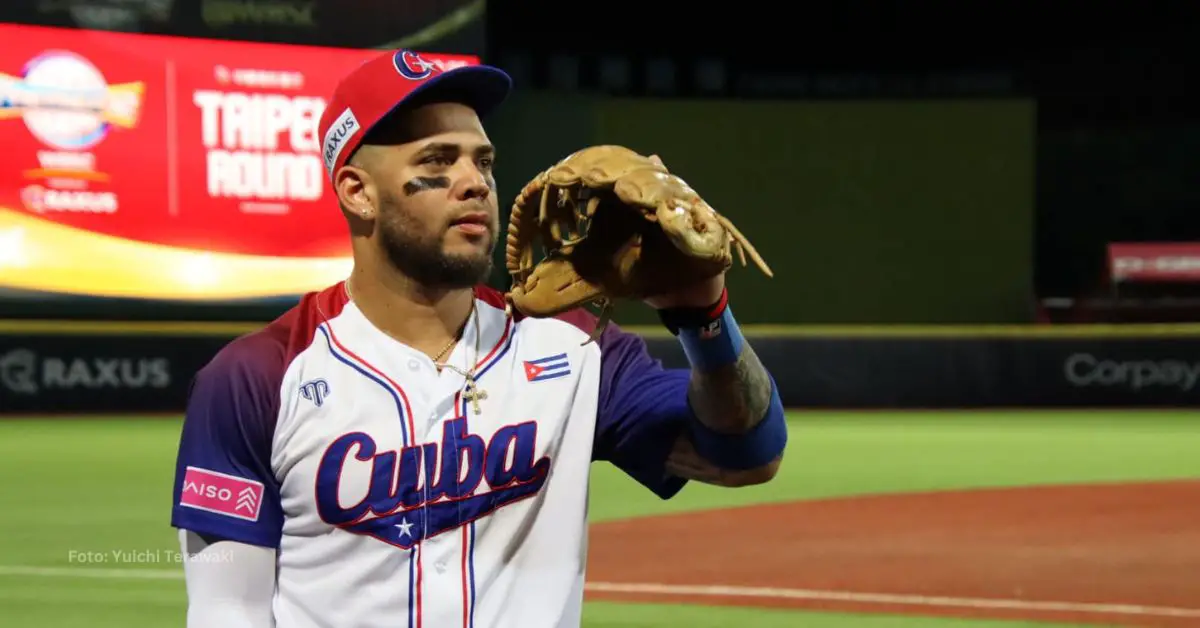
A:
[420, 381]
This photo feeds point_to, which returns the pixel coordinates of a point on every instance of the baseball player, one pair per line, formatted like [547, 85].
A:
[397, 449]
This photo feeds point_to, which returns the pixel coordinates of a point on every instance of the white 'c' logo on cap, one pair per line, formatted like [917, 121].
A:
[411, 66]
[336, 137]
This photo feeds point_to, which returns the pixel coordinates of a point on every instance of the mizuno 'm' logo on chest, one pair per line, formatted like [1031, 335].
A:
[424, 490]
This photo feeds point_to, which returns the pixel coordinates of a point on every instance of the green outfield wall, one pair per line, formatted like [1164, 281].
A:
[868, 212]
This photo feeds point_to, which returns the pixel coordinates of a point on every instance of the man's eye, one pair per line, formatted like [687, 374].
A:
[440, 160]
[486, 163]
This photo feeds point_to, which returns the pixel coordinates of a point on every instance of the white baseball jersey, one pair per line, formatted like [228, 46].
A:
[390, 500]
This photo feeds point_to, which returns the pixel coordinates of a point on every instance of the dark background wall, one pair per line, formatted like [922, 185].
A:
[867, 212]
[1113, 86]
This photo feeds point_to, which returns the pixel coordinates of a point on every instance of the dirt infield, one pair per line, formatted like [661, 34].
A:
[1121, 554]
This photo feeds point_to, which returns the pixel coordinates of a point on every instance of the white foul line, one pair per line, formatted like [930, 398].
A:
[90, 572]
[890, 598]
[898, 599]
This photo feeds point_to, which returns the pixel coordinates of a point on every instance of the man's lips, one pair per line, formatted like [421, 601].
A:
[475, 223]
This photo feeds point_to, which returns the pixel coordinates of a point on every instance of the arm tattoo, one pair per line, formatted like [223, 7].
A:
[731, 399]
[685, 462]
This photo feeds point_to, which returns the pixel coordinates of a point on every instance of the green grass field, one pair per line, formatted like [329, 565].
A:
[93, 485]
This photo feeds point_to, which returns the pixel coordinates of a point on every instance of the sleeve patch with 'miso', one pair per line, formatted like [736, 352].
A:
[221, 494]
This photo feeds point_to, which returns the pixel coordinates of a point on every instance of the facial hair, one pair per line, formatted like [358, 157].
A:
[418, 253]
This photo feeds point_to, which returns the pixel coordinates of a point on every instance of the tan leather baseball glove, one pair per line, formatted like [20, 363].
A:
[613, 224]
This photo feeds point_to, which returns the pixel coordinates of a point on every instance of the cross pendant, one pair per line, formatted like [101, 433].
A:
[474, 395]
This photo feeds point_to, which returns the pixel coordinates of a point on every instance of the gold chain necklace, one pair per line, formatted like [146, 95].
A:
[474, 394]
[441, 354]
[457, 337]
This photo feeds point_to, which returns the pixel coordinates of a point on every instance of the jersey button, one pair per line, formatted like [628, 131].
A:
[413, 365]
[440, 566]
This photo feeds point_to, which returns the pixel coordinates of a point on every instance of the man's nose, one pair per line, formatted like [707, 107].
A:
[472, 184]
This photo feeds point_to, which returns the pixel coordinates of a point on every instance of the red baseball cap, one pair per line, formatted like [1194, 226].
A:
[379, 86]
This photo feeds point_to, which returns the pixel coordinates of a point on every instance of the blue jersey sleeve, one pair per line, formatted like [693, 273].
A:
[643, 410]
[224, 485]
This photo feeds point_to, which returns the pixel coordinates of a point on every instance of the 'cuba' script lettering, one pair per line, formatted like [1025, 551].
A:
[424, 490]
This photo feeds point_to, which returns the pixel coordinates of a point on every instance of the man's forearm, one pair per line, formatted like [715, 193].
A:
[732, 398]
[739, 432]
[229, 584]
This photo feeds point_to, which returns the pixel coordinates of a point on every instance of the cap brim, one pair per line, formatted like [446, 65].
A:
[481, 87]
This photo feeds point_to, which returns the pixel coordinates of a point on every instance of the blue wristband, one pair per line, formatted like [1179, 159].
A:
[716, 344]
[737, 452]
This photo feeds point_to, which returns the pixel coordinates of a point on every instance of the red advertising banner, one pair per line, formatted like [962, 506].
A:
[161, 167]
[1154, 261]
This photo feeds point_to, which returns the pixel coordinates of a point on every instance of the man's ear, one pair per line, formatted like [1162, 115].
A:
[355, 191]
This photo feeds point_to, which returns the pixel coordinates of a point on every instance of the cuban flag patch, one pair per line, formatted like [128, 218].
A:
[550, 367]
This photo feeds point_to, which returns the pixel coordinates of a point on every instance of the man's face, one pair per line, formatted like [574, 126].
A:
[433, 192]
